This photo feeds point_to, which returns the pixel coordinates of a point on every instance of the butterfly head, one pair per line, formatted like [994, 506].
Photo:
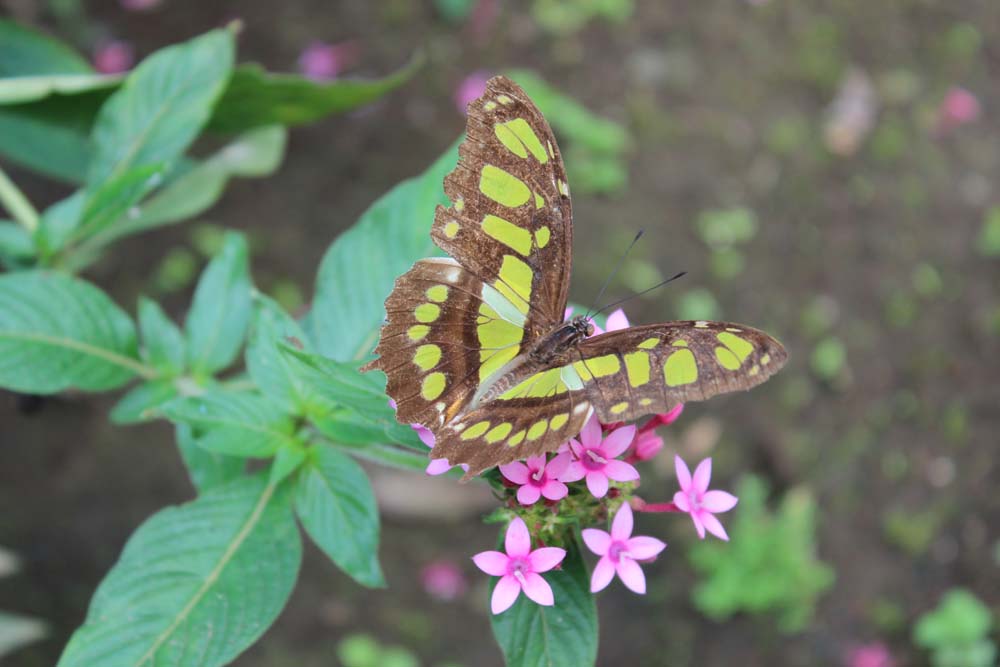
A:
[583, 325]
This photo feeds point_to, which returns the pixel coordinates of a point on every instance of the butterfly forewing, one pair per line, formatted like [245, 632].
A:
[650, 369]
[510, 218]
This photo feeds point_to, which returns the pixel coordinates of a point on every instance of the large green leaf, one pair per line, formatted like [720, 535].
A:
[234, 423]
[220, 311]
[162, 341]
[16, 243]
[388, 238]
[143, 402]
[206, 469]
[28, 52]
[336, 505]
[564, 635]
[162, 106]
[270, 327]
[196, 584]
[252, 155]
[30, 88]
[58, 332]
[256, 97]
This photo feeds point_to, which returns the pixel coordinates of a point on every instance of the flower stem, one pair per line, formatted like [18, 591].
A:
[641, 505]
[17, 204]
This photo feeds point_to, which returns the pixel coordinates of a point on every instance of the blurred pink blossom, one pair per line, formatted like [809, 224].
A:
[443, 579]
[875, 654]
[113, 57]
[959, 107]
[321, 61]
[616, 320]
[140, 5]
[619, 552]
[519, 569]
[470, 88]
[538, 478]
[702, 504]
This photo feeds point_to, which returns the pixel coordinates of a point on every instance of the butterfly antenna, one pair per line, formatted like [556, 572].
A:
[645, 291]
[615, 272]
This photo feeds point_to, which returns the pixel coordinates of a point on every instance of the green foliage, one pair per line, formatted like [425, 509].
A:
[364, 651]
[240, 424]
[828, 358]
[565, 634]
[989, 236]
[564, 17]
[206, 578]
[769, 565]
[725, 228]
[26, 52]
[957, 632]
[336, 505]
[58, 332]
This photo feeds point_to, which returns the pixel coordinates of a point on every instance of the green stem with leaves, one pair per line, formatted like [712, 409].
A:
[17, 204]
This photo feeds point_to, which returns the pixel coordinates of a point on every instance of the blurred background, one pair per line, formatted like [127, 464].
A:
[825, 171]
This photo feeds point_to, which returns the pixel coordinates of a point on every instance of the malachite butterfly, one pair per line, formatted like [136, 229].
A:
[475, 347]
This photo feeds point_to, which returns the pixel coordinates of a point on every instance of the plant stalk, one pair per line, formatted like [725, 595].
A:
[17, 204]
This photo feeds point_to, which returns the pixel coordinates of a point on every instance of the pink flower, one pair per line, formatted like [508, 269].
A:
[436, 466]
[322, 62]
[959, 107]
[113, 57]
[443, 580]
[537, 478]
[596, 457]
[140, 5]
[875, 654]
[648, 444]
[619, 552]
[702, 504]
[519, 568]
[470, 89]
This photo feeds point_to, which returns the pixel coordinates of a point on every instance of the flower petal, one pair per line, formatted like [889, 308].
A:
[596, 540]
[546, 558]
[702, 476]
[438, 467]
[616, 321]
[620, 471]
[558, 465]
[537, 589]
[518, 541]
[604, 572]
[528, 494]
[574, 473]
[718, 501]
[424, 434]
[643, 548]
[671, 415]
[554, 490]
[515, 471]
[621, 527]
[683, 474]
[713, 526]
[618, 441]
[681, 500]
[597, 483]
[631, 575]
[698, 525]
[506, 591]
[590, 435]
[576, 448]
[535, 463]
[493, 563]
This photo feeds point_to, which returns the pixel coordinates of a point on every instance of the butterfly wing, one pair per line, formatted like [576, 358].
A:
[510, 222]
[649, 369]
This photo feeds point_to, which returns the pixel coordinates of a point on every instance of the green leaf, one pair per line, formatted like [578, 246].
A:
[336, 505]
[105, 204]
[531, 635]
[388, 238]
[254, 154]
[161, 107]
[364, 416]
[196, 584]
[206, 469]
[142, 402]
[28, 52]
[236, 424]
[220, 311]
[286, 461]
[256, 97]
[31, 88]
[58, 332]
[960, 618]
[15, 243]
[270, 327]
[59, 222]
[162, 340]
[52, 136]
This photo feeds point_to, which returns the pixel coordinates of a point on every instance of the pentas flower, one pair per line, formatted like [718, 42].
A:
[443, 580]
[519, 569]
[538, 478]
[875, 654]
[647, 443]
[959, 107]
[619, 552]
[470, 88]
[113, 57]
[702, 504]
[596, 457]
[322, 62]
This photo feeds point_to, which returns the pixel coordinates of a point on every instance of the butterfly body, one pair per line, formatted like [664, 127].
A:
[475, 347]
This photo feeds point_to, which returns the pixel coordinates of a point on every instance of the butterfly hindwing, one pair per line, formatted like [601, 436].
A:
[510, 218]
[649, 369]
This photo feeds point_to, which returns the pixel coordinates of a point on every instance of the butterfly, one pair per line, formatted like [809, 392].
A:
[475, 346]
